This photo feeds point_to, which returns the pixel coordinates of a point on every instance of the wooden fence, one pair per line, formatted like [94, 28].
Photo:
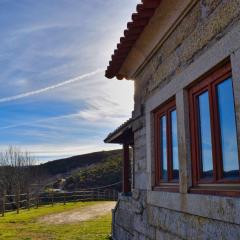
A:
[20, 201]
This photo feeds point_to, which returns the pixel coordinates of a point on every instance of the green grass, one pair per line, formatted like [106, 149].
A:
[24, 226]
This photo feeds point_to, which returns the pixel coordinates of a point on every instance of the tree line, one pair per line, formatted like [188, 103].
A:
[18, 171]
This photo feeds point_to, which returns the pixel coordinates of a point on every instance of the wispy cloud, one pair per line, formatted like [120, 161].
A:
[52, 87]
[90, 115]
[44, 43]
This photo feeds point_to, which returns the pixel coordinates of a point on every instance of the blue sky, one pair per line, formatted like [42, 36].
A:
[54, 99]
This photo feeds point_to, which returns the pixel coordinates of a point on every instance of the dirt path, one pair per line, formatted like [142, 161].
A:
[77, 215]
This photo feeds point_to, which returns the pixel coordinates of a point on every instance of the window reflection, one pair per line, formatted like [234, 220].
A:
[163, 134]
[205, 135]
[228, 129]
[174, 145]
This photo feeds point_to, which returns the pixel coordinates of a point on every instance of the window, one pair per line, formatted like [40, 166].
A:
[215, 155]
[166, 144]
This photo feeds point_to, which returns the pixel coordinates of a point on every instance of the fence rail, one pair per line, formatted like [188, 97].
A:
[16, 202]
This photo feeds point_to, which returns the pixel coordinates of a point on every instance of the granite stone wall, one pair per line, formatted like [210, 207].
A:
[208, 34]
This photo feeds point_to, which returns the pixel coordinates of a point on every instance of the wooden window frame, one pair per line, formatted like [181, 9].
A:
[170, 184]
[217, 185]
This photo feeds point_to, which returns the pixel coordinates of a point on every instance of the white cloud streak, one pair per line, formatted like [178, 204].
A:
[39, 121]
[52, 87]
[91, 116]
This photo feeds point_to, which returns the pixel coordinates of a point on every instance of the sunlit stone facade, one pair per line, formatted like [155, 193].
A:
[206, 38]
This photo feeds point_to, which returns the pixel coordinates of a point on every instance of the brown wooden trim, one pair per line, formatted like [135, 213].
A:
[215, 140]
[156, 149]
[163, 110]
[169, 144]
[133, 166]
[209, 84]
[126, 167]
[217, 136]
[165, 106]
[217, 192]
[193, 127]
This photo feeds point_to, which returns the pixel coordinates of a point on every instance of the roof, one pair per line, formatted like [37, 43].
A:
[140, 19]
[122, 134]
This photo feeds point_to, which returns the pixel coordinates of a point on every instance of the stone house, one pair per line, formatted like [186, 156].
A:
[184, 179]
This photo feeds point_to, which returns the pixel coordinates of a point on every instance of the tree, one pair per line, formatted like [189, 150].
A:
[17, 170]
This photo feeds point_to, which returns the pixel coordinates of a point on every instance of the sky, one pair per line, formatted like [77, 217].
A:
[54, 99]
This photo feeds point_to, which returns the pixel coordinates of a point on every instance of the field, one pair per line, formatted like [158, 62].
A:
[74, 221]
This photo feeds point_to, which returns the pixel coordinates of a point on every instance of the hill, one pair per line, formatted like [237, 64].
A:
[85, 171]
[65, 165]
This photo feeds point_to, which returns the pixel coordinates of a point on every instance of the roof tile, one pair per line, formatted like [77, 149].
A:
[145, 11]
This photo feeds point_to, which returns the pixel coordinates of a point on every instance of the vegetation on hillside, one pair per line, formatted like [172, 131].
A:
[66, 165]
[103, 173]
[19, 173]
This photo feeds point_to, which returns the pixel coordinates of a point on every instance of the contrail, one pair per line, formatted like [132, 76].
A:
[40, 120]
[42, 90]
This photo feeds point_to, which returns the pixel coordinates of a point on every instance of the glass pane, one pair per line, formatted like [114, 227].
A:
[174, 145]
[228, 129]
[163, 139]
[205, 135]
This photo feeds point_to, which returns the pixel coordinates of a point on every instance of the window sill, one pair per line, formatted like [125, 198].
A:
[198, 205]
[213, 189]
[222, 182]
[167, 188]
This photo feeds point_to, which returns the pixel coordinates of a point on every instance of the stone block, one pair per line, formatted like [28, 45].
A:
[219, 208]
[141, 180]
[140, 225]
[135, 236]
[140, 142]
[136, 194]
[138, 124]
[140, 164]
[184, 29]
[124, 219]
[121, 234]
[140, 133]
[167, 68]
[161, 235]
[142, 237]
[191, 227]
[208, 6]
[223, 15]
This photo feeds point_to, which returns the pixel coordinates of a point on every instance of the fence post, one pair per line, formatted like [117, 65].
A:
[17, 200]
[75, 197]
[97, 195]
[52, 198]
[37, 201]
[3, 203]
[64, 198]
[28, 200]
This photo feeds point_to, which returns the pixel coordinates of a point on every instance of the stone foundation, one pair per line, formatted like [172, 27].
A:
[135, 219]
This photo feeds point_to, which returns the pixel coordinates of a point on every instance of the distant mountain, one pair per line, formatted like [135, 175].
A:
[85, 171]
